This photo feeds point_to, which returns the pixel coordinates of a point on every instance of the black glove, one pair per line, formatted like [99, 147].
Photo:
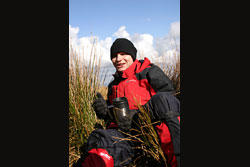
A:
[125, 123]
[100, 106]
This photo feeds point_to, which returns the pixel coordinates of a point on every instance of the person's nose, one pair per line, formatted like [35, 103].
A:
[118, 57]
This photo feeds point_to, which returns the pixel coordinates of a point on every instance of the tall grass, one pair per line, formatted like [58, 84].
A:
[171, 68]
[147, 141]
[84, 82]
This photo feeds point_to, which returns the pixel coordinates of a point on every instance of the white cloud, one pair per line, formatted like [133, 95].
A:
[169, 45]
[146, 45]
[175, 29]
[73, 31]
[87, 46]
[122, 33]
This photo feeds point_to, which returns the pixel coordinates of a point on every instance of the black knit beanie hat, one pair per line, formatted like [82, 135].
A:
[123, 45]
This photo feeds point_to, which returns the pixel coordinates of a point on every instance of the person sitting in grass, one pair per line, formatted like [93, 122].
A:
[142, 83]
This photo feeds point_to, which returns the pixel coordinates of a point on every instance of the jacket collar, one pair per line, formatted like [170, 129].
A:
[130, 70]
[133, 69]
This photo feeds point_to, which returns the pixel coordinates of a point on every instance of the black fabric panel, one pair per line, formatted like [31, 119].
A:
[143, 74]
[159, 81]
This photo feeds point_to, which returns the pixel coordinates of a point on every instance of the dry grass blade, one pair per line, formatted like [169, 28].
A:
[84, 82]
[147, 138]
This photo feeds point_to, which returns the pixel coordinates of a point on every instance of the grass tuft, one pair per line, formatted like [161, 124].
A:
[84, 83]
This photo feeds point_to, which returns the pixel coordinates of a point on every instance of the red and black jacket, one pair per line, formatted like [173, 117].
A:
[138, 84]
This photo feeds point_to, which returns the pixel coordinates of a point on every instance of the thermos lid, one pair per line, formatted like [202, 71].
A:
[120, 100]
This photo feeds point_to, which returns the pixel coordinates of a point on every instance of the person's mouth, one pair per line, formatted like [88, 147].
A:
[120, 65]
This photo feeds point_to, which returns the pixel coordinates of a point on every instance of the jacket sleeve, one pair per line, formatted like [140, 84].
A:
[159, 81]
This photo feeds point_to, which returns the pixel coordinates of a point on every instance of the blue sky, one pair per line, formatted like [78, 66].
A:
[104, 17]
[152, 25]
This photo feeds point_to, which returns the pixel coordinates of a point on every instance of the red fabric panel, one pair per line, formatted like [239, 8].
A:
[166, 144]
[112, 125]
[98, 158]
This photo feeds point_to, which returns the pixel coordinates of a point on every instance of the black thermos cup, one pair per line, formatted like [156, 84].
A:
[120, 108]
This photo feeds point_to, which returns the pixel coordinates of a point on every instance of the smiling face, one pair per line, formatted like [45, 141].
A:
[122, 61]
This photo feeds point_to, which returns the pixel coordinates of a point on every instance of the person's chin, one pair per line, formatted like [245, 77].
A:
[120, 69]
